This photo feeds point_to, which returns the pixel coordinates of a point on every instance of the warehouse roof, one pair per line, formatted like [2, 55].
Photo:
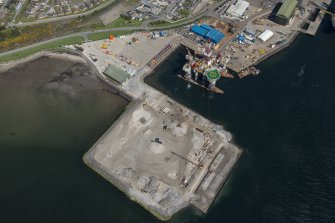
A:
[267, 34]
[208, 27]
[215, 36]
[287, 8]
[208, 32]
[238, 9]
[116, 74]
[201, 31]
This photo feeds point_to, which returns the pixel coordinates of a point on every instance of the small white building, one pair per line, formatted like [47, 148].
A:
[266, 35]
[238, 9]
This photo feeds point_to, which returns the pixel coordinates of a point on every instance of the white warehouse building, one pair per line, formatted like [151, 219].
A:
[238, 8]
[266, 35]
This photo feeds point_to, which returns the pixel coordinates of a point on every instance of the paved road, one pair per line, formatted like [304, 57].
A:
[103, 5]
[145, 27]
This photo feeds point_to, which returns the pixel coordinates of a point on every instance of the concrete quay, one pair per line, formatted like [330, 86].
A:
[159, 153]
[312, 7]
[218, 173]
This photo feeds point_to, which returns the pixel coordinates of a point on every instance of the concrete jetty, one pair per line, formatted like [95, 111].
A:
[317, 11]
[159, 153]
[219, 171]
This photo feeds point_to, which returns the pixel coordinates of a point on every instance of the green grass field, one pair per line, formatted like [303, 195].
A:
[120, 22]
[52, 45]
[159, 23]
[169, 24]
[105, 35]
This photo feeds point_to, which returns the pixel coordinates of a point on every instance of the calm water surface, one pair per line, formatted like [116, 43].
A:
[284, 118]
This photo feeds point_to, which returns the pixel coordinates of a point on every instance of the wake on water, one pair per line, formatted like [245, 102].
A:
[302, 71]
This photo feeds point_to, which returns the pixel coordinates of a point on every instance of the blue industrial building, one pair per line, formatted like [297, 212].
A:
[208, 32]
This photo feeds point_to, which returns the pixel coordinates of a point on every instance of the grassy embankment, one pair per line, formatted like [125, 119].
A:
[59, 44]
[22, 36]
[47, 46]
[105, 35]
[121, 22]
[163, 23]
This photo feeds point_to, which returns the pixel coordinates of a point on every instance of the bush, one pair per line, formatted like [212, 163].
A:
[158, 22]
[125, 16]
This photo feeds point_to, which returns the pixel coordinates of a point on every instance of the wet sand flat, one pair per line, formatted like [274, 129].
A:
[31, 92]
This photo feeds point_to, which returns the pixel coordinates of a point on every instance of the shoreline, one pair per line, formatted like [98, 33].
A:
[68, 54]
[48, 53]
